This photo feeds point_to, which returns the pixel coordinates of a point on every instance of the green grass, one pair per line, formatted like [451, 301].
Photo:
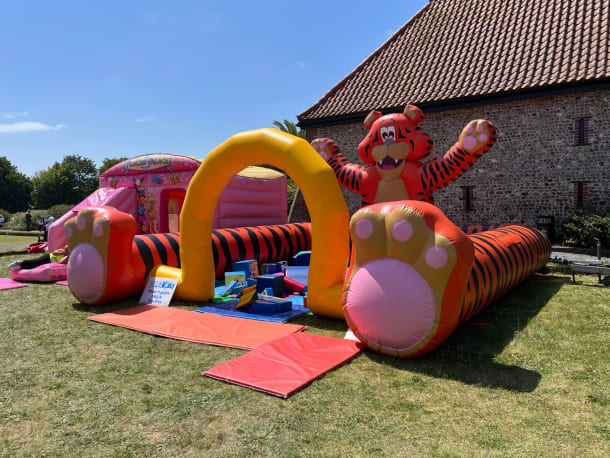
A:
[531, 377]
[10, 240]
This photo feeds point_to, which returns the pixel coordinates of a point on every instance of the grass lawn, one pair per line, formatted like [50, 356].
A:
[9, 241]
[530, 377]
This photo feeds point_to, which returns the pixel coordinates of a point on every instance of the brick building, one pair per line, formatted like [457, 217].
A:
[539, 70]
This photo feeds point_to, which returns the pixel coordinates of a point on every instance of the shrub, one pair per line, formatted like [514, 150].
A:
[7, 218]
[582, 230]
[57, 211]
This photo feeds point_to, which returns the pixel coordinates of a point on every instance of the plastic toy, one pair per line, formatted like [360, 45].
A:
[392, 150]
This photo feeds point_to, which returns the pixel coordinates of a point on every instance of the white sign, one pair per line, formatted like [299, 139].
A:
[159, 291]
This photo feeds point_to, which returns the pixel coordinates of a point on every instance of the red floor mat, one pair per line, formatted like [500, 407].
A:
[286, 365]
[198, 327]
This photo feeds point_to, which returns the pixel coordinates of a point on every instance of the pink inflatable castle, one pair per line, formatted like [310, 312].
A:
[152, 189]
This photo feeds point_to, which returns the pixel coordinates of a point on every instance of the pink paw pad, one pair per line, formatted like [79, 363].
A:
[81, 223]
[469, 142]
[437, 257]
[363, 228]
[98, 230]
[402, 230]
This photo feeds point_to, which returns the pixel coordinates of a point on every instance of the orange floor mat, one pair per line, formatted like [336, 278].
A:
[198, 327]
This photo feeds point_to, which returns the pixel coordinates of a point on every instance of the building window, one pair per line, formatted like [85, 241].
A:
[467, 198]
[581, 132]
[580, 193]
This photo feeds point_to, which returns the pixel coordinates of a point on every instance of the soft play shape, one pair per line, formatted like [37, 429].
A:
[108, 261]
[286, 365]
[7, 283]
[414, 276]
[329, 215]
[44, 273]
[197, 327]
[392, 149]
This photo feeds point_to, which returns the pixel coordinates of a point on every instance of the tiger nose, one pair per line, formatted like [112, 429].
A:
[389, 141]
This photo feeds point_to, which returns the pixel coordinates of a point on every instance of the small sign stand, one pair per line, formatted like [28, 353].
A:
[159, 291]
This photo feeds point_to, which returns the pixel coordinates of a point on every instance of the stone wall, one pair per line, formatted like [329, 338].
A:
[532, 169]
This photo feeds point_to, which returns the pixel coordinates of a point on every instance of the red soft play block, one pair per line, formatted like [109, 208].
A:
[206, 328]
[294, 285]
[286, 365]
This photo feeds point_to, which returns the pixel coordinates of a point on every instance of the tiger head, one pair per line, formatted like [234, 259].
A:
[394, 139]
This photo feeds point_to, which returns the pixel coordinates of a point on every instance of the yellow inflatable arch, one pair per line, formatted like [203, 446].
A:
[325, 202]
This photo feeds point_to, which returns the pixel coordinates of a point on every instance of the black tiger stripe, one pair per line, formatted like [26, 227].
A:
[256, 250]
[492, 244]
[174, 243]
[159, 246]
[242, 252]
[145, 254]
[288, 238]
[226, 257]
[270, 247]
[278, 242]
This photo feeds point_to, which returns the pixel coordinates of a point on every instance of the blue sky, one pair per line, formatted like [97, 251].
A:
[111, 79]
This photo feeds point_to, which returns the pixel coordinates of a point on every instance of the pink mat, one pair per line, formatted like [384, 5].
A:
[288, 364]
[62, 282]
[198, 327]
[7, 283]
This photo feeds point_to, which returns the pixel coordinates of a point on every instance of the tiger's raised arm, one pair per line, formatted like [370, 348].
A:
[475, 140]
[349, 174]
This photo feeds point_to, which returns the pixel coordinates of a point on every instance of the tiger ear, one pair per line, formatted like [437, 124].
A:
[413, 113]
[371, 118]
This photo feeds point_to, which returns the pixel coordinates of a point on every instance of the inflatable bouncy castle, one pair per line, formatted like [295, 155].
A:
[152, 189]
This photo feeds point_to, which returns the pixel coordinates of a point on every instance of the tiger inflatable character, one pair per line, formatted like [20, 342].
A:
[393, 149]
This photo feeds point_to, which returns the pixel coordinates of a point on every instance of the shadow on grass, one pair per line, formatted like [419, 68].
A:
[468, 355]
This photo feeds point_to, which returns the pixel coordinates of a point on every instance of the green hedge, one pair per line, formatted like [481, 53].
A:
[582, 230]
[16, 221]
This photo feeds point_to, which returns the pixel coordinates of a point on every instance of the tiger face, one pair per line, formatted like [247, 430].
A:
[394, 139]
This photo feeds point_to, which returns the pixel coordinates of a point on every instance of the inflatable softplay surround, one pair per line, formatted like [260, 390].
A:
[450, 276]
[152, 189]
[414, 276]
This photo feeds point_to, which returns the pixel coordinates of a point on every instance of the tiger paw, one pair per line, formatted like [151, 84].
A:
[99, 239]
[478, 135]
[325, 147]
[409, 270]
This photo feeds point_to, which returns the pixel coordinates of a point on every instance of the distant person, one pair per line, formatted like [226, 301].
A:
[1, 220]
[49, 221]
[60, 256]
[28, 220]
[41, 223]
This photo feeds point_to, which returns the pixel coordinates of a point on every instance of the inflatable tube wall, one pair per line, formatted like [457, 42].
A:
[414, 276]
[109, 262]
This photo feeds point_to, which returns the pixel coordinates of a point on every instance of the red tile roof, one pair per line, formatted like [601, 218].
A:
[466, 49]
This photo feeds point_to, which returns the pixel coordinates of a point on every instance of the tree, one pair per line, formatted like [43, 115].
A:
[107, 163]
[290, 127]
[67, 182]
[15, 187]
[293, 190]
